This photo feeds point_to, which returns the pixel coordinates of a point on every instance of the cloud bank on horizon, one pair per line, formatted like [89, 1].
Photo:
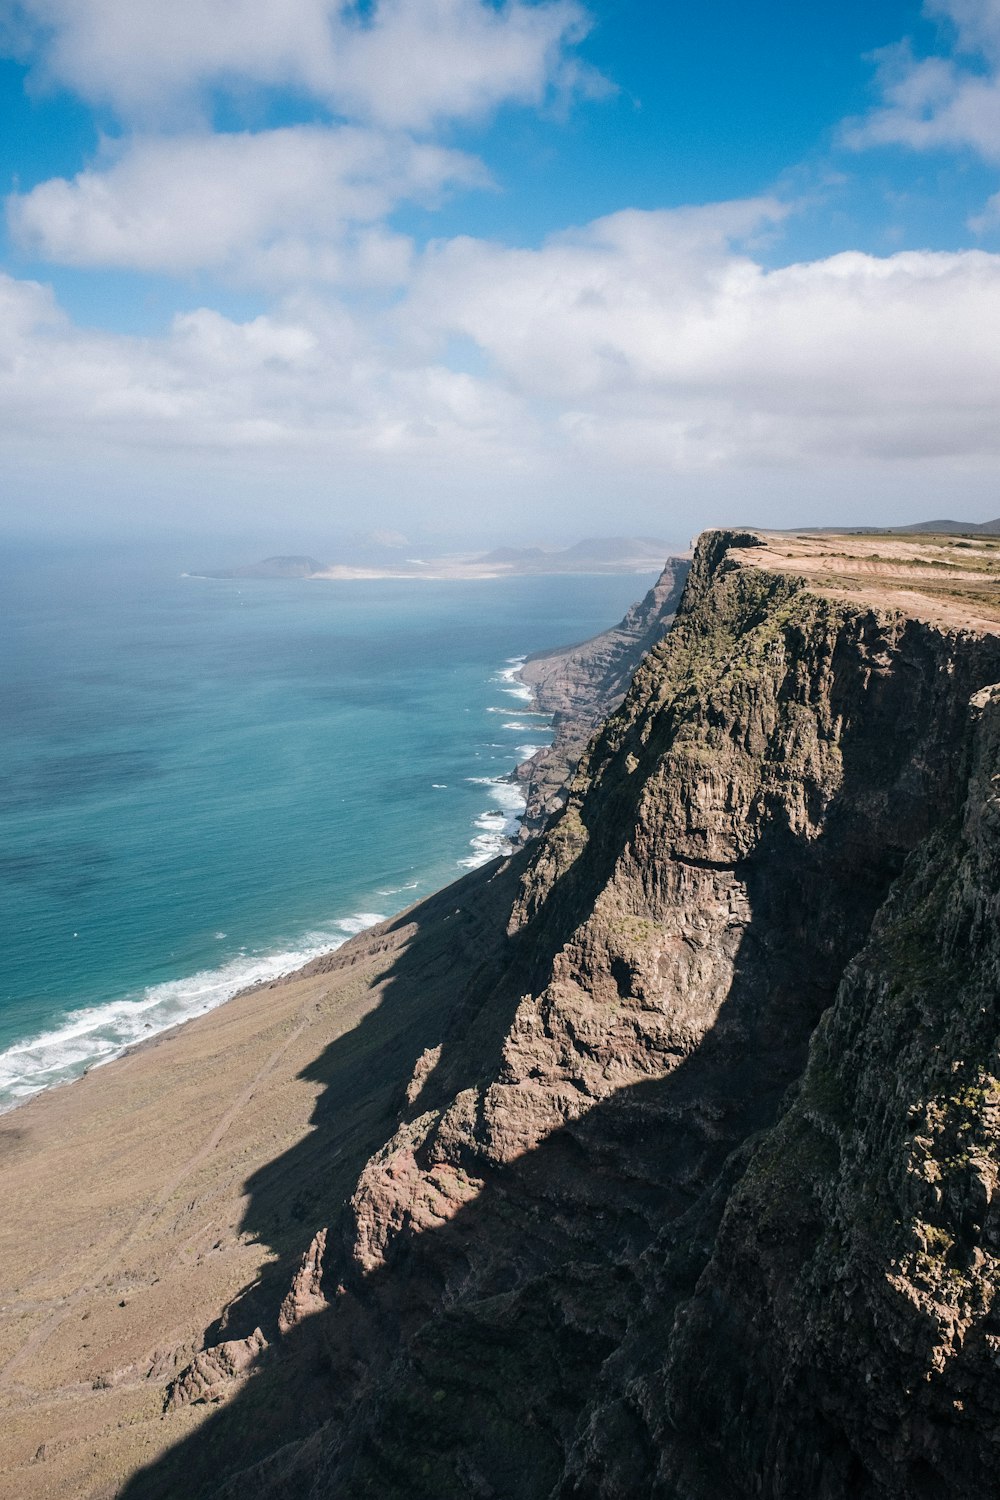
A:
[311, 255]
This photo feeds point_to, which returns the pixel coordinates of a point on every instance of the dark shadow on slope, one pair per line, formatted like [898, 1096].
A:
[586, 1198]
[460, 1369]
[456, 932]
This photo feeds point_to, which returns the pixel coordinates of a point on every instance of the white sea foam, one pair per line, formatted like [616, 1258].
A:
[509, 679]
[525, 713]
[89, 1037]
[509, 796]
[498, 824]
[491, 822]
[358, 923]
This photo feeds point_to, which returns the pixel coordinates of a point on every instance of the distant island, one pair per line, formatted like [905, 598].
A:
[616, 554]
[275, 567]
[385, 555]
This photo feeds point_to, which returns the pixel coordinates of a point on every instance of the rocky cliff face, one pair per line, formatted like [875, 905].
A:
[853, 1282]
[691, 1190]
[581, 685]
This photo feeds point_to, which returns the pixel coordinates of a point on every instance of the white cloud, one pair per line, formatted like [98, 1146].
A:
[646, 340]
[280, 204]
[950, 100]
[310, 380]
[403, 64]
[977, 23]
[616, 303]
[648, 331]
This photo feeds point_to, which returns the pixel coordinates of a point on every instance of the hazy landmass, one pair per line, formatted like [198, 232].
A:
[274, 567]
[389, 555]
[593, 555]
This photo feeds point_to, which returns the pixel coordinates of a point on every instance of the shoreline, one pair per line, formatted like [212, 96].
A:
[523, 799]
[135, 1224]
[497, 833]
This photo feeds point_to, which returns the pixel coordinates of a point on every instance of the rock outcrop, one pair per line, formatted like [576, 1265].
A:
[693, 1190]
[305, 1295]
[214, 1374]
[854, 1279]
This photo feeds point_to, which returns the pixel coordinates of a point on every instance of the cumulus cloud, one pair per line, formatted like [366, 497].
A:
[305, 203]
[399, 63]
[613, 304]
[643, 339]
[308, 380]
[652, 328]
[279, 204]
[948, 100]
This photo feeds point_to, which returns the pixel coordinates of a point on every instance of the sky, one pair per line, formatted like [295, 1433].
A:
[497, 268]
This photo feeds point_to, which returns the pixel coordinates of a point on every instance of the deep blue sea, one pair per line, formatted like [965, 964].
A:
[204, 782]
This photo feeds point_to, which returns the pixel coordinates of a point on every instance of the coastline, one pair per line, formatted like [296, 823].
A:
[471, 572]
[131, 1197]
[558, 708]
[91, 1038]
[165, 1294]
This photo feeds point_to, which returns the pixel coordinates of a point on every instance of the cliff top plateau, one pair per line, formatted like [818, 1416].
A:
[951, 581]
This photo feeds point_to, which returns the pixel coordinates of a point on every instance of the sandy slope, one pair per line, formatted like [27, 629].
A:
[125, 1199]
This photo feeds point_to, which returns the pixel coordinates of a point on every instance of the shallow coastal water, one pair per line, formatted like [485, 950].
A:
[205, 782]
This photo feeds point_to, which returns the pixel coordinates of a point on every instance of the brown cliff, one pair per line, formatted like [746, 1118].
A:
[660, 1159]
[581, 685]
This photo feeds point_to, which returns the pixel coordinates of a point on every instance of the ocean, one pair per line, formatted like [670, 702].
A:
[204, 783]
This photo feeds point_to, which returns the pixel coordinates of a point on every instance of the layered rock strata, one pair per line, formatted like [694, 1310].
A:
[688, 1188]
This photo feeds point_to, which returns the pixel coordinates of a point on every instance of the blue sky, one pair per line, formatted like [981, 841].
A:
[481, 267]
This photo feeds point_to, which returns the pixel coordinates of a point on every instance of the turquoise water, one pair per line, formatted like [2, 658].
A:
[202, 783]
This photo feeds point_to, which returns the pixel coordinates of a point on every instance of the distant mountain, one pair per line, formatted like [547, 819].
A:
[275, 567]
[611, 549]
[614, 554]
[619, 554]
[953, 528]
